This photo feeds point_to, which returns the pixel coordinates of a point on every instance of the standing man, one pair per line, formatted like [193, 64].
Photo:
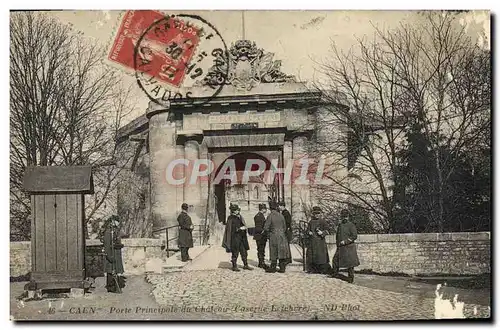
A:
[260, 239]
[235, 238]
[185, 240]
[317, 250]
[288, 220]
[346, 255]
[279, 249]
[113, 263]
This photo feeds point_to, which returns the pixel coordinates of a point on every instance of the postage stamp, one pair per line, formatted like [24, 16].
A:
[166, 52]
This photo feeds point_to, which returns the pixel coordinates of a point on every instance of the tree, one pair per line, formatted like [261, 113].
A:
[65, 109]
[466, 202]
[361, 97]
[427, 80]
[437, 69]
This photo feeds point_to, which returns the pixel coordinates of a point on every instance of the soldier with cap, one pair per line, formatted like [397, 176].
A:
[346, 255]
[112, 248]
[279, 249]
[235, 238]
[185, 240]
[260, 239]
[317, 250]
[288, 220]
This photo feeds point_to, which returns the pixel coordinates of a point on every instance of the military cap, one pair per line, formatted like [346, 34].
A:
[111, 220]
[316, 209]
[344, 213]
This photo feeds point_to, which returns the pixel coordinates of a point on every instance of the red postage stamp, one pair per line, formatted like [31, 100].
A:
[163, 45]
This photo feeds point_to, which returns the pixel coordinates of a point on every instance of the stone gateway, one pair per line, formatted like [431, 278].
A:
[251, 138]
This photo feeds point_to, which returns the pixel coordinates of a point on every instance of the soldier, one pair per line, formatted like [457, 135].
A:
[317, 250]
[113, 263]
[259, 238]
[185, 240]
[235, 238]
[346, 255]
[288, 220]
[275, 229]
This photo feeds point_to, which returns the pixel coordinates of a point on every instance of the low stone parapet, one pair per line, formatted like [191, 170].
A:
[462, 253]
[136, 254]
[411, 254]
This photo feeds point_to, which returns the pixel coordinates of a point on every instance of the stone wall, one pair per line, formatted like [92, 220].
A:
[423, 253]
[412, 254]
[20, 258]
[139, 255]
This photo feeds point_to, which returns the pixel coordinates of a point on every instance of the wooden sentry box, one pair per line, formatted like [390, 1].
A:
[57, 225]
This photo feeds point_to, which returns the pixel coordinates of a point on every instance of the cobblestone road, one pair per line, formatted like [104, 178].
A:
[256, 295]
[249, 295]
[206, 289]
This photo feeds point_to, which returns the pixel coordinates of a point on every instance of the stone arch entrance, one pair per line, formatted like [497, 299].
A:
[247, 190]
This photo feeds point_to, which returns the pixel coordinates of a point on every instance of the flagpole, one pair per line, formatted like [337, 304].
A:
[243, 24]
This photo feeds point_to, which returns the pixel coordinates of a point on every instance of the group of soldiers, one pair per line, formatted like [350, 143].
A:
[276, 228]
[345, 257]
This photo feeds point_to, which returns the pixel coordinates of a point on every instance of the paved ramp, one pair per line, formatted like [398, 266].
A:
[215, 257]
[174, 263]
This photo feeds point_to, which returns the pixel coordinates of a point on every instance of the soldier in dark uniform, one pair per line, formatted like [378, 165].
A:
[260, 239]
[346, 255]
[288, 220]
[185, 240]
[317, 250]
[235, 238]
[113, 263]
[279, 249]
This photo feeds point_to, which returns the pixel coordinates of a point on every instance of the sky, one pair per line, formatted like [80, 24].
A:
[300, 39]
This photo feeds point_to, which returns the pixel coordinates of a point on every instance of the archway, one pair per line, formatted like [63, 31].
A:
[239, 189]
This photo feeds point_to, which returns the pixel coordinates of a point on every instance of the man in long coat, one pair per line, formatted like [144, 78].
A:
[288, 220]
[113, 262]
[317, 258]
[279, 249]
[260, 239]
[185, 240]
[235, 238]
[346, 255]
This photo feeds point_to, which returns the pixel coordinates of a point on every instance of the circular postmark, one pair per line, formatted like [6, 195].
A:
[177, 52]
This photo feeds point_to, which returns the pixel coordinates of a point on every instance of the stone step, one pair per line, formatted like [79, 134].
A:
[175, 263]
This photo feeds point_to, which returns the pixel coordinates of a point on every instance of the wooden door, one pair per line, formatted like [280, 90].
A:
[58, 241]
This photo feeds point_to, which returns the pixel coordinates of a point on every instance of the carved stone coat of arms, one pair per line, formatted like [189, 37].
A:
[246, 66]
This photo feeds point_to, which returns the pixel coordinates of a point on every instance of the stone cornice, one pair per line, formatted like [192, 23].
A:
[189, 135]
[261, 94]
[136, 126]
[157, 107]
[244, 140]
[290, 135]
